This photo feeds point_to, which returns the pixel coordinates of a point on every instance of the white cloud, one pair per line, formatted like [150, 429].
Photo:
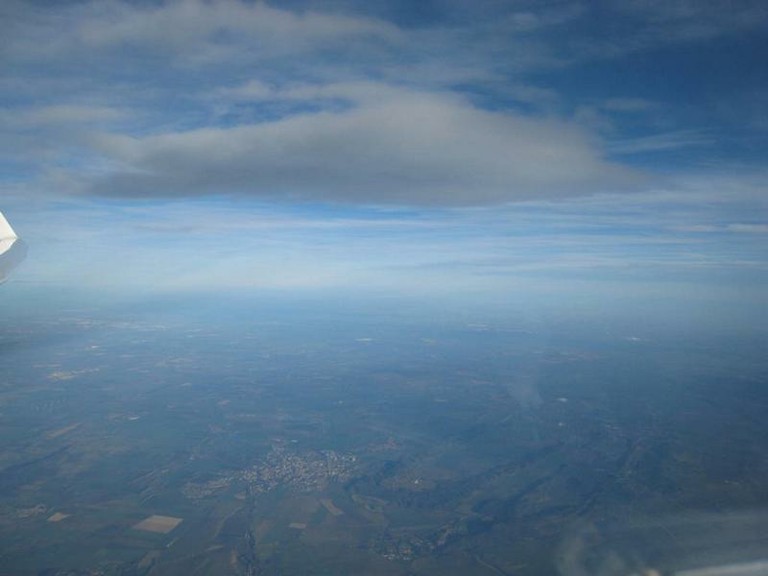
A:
[60, 114]
[741, 228]
[393, 146]
[194, 30]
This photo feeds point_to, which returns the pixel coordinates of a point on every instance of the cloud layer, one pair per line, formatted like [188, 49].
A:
[388, 146]
[342, 101]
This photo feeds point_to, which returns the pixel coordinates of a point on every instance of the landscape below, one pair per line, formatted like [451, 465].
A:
[265, 434]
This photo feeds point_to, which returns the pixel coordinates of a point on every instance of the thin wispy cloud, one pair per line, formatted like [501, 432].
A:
[661, 142]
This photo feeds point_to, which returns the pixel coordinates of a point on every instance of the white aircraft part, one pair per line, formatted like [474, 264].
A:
[12, 249]
[6, 244]
[5, 229]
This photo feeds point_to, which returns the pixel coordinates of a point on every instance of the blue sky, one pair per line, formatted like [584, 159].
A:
[486, 147]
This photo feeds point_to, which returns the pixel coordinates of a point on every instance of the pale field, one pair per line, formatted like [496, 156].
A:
[159, 524]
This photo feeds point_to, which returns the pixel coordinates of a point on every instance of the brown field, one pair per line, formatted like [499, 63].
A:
[62, 431]
[331, 507]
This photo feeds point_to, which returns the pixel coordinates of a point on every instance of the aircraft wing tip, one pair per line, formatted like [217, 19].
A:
[6, 231]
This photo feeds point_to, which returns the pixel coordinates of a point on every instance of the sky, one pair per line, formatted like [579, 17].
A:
[564, 150]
